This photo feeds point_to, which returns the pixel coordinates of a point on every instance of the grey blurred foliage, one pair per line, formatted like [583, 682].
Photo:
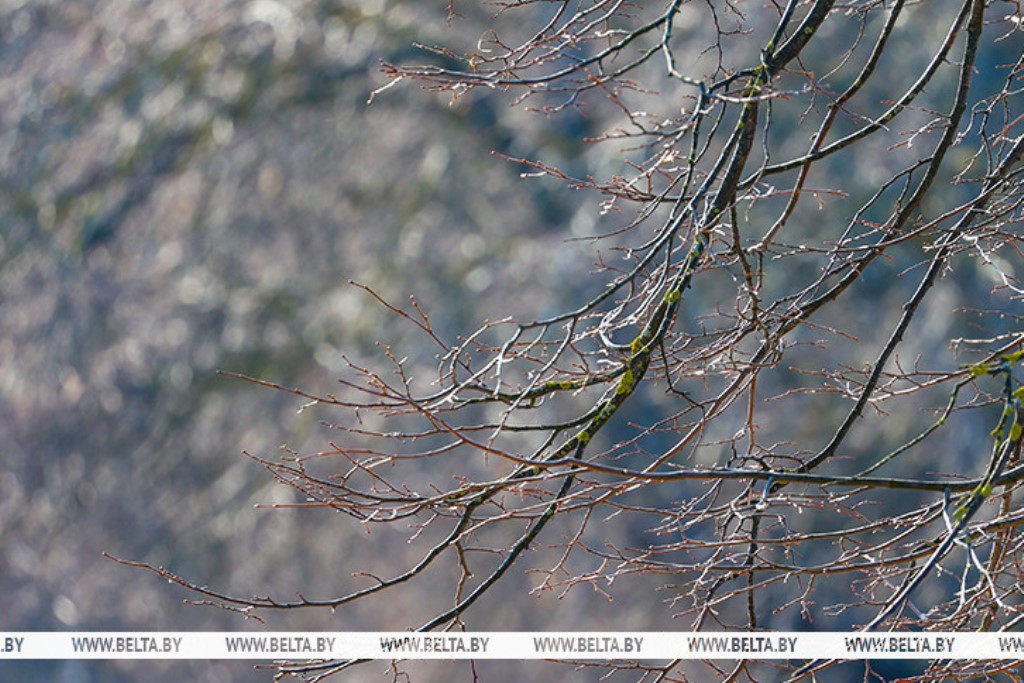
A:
[187, 187]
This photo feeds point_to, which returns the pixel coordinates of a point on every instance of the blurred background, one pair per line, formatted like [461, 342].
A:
[187, 187]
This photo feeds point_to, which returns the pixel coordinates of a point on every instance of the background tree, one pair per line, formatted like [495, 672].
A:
[794, 370]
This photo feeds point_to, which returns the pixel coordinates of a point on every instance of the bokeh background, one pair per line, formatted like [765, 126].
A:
[189, 186]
